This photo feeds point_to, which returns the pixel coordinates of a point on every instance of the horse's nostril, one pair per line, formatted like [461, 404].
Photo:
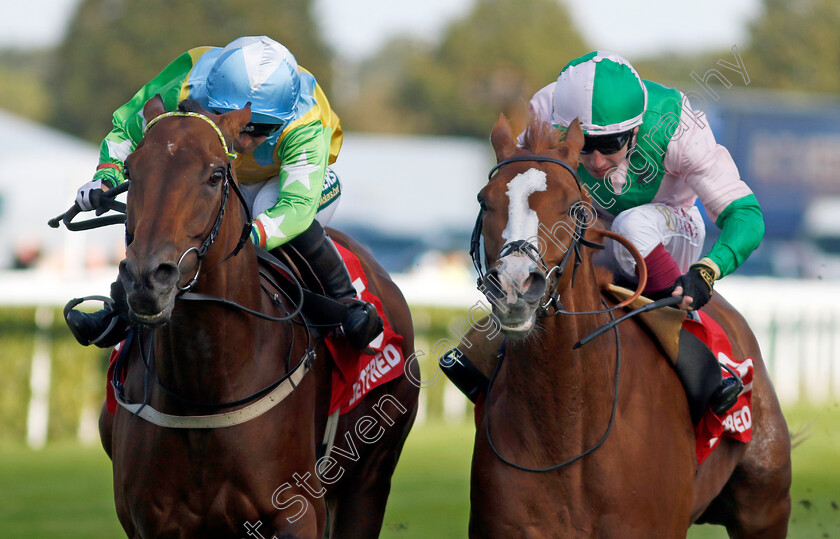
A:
[165, 276]
[534, 286]
[491, 284]
[126, 276]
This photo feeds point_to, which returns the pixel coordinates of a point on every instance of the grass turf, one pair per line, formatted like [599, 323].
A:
[65, 490]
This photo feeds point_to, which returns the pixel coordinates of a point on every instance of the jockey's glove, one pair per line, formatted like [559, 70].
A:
[698, 282]
[87, 197]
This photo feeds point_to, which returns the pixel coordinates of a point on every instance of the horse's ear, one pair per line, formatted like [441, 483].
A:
[502, 139]
[153, 108]
[574, 137]
[231, 123]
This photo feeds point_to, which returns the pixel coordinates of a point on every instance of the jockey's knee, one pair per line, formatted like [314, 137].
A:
[310, 240]
[641, 226]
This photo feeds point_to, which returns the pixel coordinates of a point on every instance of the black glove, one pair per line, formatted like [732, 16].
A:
[697, 283]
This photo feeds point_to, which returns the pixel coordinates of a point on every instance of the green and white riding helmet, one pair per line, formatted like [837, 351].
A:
[603, 91]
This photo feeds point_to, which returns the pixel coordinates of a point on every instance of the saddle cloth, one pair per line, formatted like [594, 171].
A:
[737, 422]
[356, 373]
[665, 324]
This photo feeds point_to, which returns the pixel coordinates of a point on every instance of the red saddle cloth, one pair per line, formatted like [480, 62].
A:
[356, 372]
[737, 422]
[110, 399]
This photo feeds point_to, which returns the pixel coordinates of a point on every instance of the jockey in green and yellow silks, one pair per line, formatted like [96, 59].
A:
[303, 133]
[283, 163]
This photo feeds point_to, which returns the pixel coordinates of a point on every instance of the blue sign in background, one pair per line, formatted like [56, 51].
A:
[788, 152]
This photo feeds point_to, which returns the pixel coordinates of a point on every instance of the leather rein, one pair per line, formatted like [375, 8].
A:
[551, 299]
[260, 401]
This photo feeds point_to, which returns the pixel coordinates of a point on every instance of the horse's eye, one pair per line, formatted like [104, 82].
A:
[217, 176]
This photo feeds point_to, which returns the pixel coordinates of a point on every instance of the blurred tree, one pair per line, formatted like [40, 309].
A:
[674, 69]
[22, 87]
[113, 47]
[795, 44]
[366, 93]
[491, 61]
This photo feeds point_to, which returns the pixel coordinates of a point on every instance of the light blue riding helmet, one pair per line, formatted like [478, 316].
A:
[259, 70]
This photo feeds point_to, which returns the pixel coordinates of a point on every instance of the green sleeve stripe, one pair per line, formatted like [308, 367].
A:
[741, 226]
[304, 154]
[128, 123]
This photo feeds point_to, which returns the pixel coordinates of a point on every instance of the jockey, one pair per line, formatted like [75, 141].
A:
[647, 157]
[283, 164]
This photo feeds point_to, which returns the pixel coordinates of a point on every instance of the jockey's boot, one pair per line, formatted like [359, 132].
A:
[726, 394]
[361, 323]
[699, 371]
[104, 328]
[471, 374]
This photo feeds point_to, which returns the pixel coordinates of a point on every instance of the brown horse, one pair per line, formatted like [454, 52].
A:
[597, 441]
[248, 469]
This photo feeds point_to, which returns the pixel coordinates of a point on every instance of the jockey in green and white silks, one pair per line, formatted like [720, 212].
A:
[293, 159]
[284, 154]
[647, 158]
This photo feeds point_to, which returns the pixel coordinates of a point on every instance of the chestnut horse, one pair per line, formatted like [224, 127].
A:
[250, 468]
[597, 441]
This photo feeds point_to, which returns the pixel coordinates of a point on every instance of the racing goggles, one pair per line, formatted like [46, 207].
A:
[606, 144]
[260, 130]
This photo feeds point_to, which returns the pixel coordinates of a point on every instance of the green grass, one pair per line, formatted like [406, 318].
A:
[65, 490]
[61, 491]
[431, 487]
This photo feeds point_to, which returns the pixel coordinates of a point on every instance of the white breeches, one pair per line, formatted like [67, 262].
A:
[682, 232]
[261, 196]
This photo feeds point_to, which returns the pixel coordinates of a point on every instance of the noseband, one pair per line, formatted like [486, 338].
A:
[555, 274]
[257, 403]
[201, 250]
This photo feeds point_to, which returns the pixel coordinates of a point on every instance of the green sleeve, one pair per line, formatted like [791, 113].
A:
[304, 153]
[128, 120]
[741, 226]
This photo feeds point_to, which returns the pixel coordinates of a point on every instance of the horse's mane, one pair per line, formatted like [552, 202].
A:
[541, 135]
[190, 105]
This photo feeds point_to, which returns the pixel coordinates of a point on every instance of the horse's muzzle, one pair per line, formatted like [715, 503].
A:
[150, 288]
[515, 288]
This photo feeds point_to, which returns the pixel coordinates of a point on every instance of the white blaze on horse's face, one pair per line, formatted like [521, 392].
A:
[523, 222]
[517, 270]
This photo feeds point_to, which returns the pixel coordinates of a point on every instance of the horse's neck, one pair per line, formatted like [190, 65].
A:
[548, 380]
[207, 348]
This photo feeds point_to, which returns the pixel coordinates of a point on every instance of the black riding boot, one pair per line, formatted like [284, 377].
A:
[104, 328]
[361, 323]
[699, 371]
[463, 374]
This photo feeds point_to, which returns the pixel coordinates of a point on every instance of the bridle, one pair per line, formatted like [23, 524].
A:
[257, 403]
[551, 297]
[201, 250]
